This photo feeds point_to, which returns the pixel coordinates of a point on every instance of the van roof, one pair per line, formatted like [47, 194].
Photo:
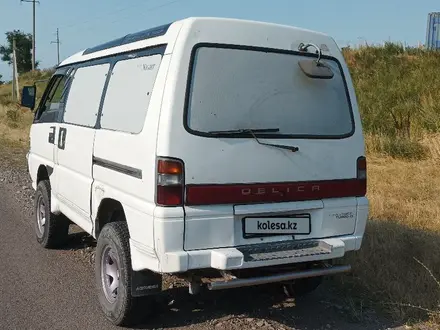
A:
[164, 34]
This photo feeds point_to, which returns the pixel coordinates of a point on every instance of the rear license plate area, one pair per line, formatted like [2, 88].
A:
[262, 226]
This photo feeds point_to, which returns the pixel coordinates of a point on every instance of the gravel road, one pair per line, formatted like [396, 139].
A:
[54, 289]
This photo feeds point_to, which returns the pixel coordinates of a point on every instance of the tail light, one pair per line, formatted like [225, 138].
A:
[170, 185]
[362, 172]
[362, 168]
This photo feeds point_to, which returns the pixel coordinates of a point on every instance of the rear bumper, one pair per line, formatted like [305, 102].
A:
[245, 257]
[284, 277]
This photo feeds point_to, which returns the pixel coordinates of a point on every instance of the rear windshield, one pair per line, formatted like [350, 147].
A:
[232, 88]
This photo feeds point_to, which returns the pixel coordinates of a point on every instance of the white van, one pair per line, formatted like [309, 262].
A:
[224, 151]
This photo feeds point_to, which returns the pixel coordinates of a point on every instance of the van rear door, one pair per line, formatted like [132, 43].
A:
[269, 152]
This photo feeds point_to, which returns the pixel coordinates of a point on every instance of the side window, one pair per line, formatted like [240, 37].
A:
[54, 99]
[85, 95]
[128, 93]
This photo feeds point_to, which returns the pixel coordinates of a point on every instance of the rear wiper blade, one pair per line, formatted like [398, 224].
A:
[258, 130]
[246, 130]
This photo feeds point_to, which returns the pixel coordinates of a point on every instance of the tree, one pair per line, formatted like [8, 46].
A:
[1, 81]
[23, 43]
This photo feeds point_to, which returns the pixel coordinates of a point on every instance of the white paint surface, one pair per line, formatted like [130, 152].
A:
[74, 169]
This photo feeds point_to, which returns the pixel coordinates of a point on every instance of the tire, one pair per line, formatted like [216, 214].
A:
[118, 305]
[51, 230]
[302, 287]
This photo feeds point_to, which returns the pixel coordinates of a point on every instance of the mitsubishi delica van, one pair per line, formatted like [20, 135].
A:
[227, 152]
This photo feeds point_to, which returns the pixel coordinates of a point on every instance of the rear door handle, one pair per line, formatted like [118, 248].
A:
[62, 138]
[51, 138]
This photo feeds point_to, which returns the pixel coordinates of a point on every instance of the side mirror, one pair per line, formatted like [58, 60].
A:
[28, 96]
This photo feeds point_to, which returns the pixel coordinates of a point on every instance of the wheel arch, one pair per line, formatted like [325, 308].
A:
[109, 210]
[44, 173]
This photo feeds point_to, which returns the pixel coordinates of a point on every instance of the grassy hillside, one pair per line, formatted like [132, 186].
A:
[397, 89]
[26, 79]
[399, 97]
[14, 120]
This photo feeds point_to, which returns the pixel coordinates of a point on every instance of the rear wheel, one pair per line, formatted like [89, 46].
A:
[113, 276]
[51, 230]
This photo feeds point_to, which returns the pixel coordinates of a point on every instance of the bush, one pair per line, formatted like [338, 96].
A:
[13, 117]
[403, 148]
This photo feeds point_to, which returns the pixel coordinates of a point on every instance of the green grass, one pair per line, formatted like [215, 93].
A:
[397, 147]
[397, 89]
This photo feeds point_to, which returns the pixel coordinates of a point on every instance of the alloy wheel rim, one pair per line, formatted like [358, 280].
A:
[110, 273]
[41, 216]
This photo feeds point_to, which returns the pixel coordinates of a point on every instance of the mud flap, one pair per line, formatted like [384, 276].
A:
[144, 283]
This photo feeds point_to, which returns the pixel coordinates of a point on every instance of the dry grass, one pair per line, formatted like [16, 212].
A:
[398, 147]
[27, 79]
[14, 125]
[15, 121]
[404, 224]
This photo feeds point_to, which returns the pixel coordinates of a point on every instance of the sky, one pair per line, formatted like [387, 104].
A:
[85, 23]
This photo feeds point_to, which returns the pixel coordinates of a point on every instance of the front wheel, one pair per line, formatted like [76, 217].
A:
[113, 275]
[51, 230]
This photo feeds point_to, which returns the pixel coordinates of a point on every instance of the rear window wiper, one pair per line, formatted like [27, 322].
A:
[246, 130]
[257, 130]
